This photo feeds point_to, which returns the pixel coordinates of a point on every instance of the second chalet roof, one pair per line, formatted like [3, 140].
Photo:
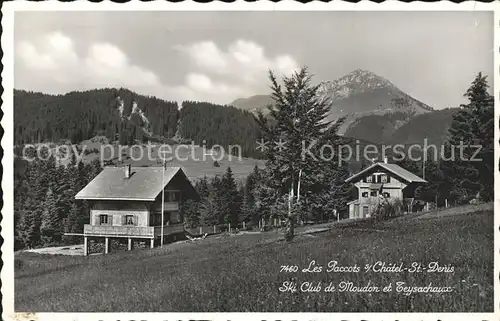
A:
[144, 183]
[393, 168]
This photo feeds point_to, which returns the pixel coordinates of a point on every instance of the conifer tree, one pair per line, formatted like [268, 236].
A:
[50, 227]
[191, 213]
[299, 120]
[72, 224]
[202, 187]
[473, 125]
[230, 202]
[210, 205]
[29, 225]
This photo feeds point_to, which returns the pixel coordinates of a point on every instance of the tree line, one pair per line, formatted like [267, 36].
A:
[114, 113]
[223, 200]
[44, 203]
[82, 115]
[210, 124]
[462, 176]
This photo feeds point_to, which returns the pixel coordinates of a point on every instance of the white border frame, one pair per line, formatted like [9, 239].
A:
[7, 273]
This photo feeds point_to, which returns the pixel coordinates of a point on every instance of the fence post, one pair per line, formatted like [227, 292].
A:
[243, 225]
[201, 230]
[229, 227]
[215, 230]
[446, 203]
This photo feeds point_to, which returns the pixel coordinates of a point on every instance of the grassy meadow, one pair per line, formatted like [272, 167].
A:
[242, 273]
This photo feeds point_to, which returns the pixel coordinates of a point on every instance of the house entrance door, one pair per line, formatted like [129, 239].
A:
[366, 212]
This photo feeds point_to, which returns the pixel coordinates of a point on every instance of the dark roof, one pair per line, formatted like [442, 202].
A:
[144, 184]
[393, 168]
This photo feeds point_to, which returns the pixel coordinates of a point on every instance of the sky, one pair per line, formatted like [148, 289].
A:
[222, 56]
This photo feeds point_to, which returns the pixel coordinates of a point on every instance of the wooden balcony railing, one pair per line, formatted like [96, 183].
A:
[132, 231]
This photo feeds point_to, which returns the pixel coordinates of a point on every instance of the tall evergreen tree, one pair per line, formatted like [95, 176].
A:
[210, 206]
[72, 223]
[473, 125]
[202, 187]
[191, 212]
[230, 199]
[51, 218]
[29, 224]
[299, 120]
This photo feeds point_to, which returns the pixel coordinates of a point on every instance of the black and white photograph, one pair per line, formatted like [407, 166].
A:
[251, 161]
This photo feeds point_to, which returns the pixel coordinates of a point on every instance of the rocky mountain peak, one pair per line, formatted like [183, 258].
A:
[355, 82]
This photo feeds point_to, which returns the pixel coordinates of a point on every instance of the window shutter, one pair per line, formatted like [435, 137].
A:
[110, 219]
[134, 220]
[124, 220]
[97, 220]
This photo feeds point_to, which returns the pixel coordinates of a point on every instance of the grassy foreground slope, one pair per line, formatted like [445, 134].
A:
[242, 273]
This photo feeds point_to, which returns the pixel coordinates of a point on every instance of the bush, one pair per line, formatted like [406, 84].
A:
[388, 208]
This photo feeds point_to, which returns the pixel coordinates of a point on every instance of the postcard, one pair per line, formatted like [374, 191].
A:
[237, 161]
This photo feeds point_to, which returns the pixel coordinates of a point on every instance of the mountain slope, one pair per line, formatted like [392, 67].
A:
[432, 126]
[363, 91]
[253, 103]
[120, 114]
[210, 124]
[397, 128]
[357, 94]
[78, 116]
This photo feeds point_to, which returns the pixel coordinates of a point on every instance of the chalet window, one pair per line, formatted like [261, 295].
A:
[103, 219]
[387, 195]
[373, 193]
[369, 179]
[173, 197]
[384, 179]
[129, 220]
[364, 194]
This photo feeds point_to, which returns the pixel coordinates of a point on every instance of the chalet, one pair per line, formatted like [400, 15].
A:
[126, 202]
[381, 181]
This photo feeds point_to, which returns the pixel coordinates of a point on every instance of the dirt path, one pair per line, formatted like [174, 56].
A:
[62, 250]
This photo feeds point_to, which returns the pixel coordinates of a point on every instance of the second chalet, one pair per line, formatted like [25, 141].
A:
[125, 202]
[381, 181]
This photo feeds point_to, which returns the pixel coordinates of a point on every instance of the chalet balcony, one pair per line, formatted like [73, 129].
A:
[131, 231]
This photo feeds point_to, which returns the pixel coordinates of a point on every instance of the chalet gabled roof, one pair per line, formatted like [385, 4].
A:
[393, 168]
[144, 184]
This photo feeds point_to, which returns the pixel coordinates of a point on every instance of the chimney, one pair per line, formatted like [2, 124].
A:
[385, 160]
[128, 170]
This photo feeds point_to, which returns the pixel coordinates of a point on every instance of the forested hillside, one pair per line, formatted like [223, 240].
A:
[434, 126]
[122, 115]
[206, 123]
[114, 113]
[401, 128]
